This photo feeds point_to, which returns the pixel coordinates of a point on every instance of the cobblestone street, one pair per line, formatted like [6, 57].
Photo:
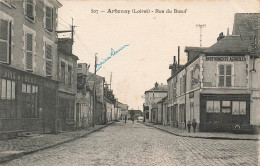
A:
[137, 144]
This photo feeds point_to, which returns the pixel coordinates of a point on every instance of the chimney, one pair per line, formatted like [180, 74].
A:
[221, 36]
[156, 84]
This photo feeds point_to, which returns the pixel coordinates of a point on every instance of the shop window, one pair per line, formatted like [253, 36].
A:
[239, 108]
[30, 9]
[5, 40]
[225, 75]
[69, 74]
[49, 18]
[63, 72]
[29, 101]
[48, 58]
[7, 99]
[7, 89]
[213, 107]
[29, 51]
[226, 107]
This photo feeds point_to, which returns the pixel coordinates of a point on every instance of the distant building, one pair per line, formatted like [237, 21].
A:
[152, 96]
[84, 98]
[124, 110]
[28, 66]
[99, 112]
[110, 109]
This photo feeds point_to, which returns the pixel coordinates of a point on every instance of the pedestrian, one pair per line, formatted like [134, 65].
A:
[125, 118]
[189, 125]
[133, 119]
[194, 125]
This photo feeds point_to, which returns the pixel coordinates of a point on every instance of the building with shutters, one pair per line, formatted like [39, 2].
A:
[219, 85]
[152, 96]
[28, 65]
[67, 69]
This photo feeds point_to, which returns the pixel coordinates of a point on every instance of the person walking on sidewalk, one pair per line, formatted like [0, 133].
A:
[194, 125]
[189, 125]
[125, 118]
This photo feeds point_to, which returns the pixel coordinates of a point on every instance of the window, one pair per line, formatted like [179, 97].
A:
[5, 40]
[8, 89]
[181, 85]
[30, 9]
[213, 107]
[69, 74]
[239, 107]
[174, 89]
[48, 58]
[29, 51]
[30, 101]
[49, 18]
[226, 107]
[79, 66]
[225, 75]
[7, 99]
[63, 72]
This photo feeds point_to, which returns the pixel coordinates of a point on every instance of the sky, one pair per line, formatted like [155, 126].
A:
[152, 38]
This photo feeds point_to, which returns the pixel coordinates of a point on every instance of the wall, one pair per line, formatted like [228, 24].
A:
[19, 25]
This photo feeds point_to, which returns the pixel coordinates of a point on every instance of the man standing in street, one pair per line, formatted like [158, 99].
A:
[125, 118]
[194, 125]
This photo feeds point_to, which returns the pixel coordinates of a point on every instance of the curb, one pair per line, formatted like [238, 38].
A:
[14, 156]
[215, 138]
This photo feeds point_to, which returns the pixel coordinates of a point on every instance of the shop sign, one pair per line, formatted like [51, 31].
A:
[15, 76]
[225, 58]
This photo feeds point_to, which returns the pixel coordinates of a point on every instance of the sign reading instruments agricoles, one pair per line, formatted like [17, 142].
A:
[225, 58]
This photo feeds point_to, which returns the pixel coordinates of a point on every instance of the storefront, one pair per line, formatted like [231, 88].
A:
[66, 120]
[222, 112]
[27, 101]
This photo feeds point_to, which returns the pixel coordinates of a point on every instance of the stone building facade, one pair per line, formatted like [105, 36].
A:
[67, 67]
[28, 65]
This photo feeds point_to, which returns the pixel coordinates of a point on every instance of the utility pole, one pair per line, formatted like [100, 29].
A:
[94, 103]
[110, 81]
[201, 26]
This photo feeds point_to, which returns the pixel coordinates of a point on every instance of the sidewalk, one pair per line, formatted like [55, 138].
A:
[205, 135]
[17, 147]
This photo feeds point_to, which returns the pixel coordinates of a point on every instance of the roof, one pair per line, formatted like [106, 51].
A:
[232, 44]
[197, 49]
[163, 99]
[67, 53]
[159, 88]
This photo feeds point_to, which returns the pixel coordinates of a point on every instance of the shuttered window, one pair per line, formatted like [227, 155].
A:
[30, 9]
[69, 74]
[49, 18]
[48, 57]
[62, 72]
[29, 51]
[5, 40]
[225, 75]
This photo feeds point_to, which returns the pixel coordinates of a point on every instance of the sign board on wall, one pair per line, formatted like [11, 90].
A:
[225, 58]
